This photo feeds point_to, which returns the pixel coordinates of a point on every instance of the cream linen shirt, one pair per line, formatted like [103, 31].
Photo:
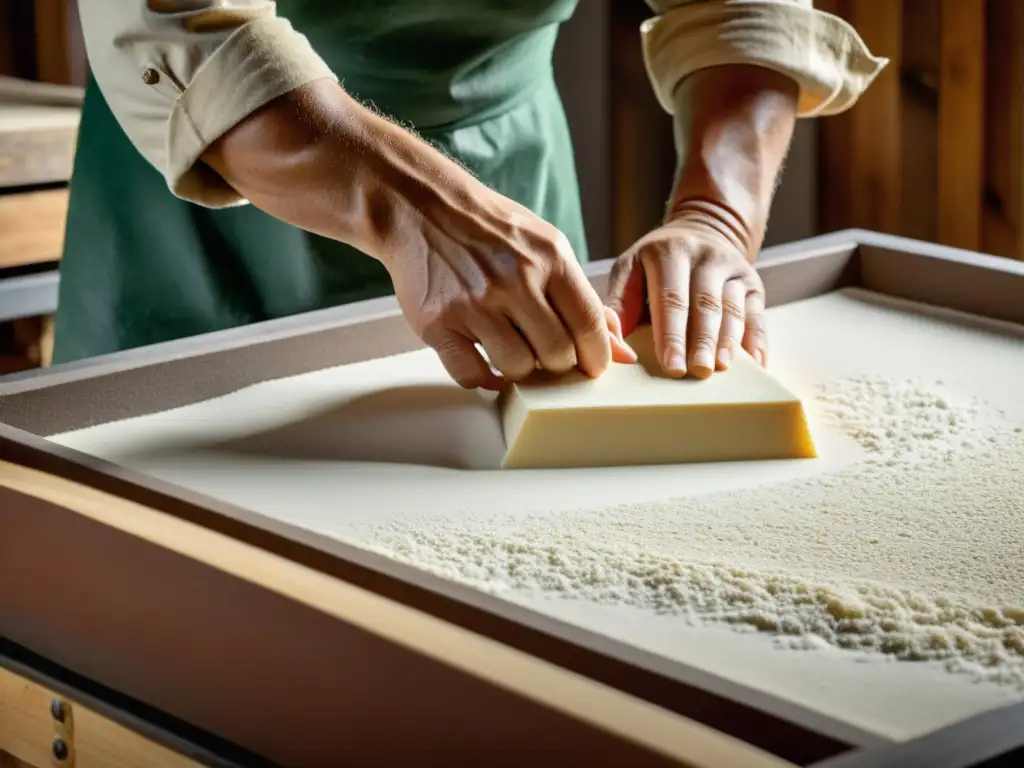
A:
[177, 74]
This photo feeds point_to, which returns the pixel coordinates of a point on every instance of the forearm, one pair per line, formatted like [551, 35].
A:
[321, 161]
[733, 126]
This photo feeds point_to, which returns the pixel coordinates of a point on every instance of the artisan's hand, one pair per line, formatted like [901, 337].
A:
[476, 267]
[733, 126]
[469, 265]
[706, 300]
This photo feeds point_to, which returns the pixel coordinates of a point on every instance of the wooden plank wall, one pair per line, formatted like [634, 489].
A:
[934, 148]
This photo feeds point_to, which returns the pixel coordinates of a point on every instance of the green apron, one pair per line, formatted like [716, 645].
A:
[474, 77]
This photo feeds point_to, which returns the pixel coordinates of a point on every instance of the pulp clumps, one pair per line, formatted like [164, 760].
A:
[913, 553]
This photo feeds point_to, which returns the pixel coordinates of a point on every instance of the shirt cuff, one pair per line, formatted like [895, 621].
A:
[824, 55]
[262, 60]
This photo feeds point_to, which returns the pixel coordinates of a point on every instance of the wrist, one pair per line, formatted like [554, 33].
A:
[733, 128]
[718, 220]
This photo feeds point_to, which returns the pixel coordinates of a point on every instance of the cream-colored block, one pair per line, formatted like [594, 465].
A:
[634, 414]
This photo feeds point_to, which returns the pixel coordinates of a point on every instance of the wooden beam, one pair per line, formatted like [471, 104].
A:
[38, 131]
[961, 123]
[32, 227]
[37, 144]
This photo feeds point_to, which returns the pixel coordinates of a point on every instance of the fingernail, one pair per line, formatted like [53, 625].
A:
[704, 358]
[675, 362]
[759, 357]
[724, 356]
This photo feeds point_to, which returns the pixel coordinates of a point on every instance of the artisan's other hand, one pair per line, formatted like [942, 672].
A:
[733, 127]
[476, 267]
[705, 298]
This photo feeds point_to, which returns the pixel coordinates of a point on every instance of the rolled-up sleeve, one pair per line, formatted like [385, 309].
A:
[178, 74]
[824, 55]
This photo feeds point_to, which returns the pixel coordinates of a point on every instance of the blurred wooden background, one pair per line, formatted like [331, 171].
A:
[42, 67]
[933, 150]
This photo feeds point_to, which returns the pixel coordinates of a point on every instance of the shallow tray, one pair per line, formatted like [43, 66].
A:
[237, 639]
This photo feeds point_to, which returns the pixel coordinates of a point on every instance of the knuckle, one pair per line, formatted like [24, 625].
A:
[704, 340]
[733, 308]
[592, 320]
[446, 347]
[527, 272]
[560, 366]
[560, 247]
[756, 329]
[754, 283]
[654, 252]
[452, 310]
[708, 302]
[557, 358]
[714, 257]
[485, 297]
[519, 370]
[550, 246]
[672, 339]
[674, 299]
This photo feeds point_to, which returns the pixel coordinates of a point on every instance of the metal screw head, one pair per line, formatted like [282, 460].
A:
[57, 710]
[60, 749]
[150, 76]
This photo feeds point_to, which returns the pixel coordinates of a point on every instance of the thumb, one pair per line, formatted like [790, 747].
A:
[621, 351]
[626, 292]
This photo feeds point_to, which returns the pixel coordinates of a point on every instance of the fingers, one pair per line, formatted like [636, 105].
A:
[464, 363]
[506, 348]
[703, 308]
[755, 336]
[709, 279]
[668, 293]
[621, 351]
[626, 291]
[575, 300]
[730, 337]
[550, 342]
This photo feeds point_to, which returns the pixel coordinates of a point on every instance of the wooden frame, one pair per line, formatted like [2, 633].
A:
[33, 719]
[173, 613]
